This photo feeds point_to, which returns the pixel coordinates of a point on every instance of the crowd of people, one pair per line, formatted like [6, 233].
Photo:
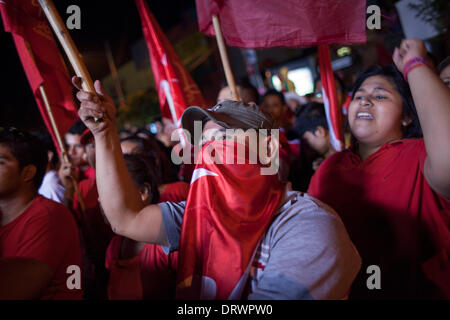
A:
[117, 219]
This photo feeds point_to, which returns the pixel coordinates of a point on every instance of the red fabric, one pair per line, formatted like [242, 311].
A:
[152, 268]
[332, 108]
[46, 232]
[89, 173]
[150, 275]
[384, 55]
[125, 282]
[393, 217]
[95, 227]
[348, 99]
[41, 61]
[274, 23]
[175, 192]
[167, 67]
[228, 209]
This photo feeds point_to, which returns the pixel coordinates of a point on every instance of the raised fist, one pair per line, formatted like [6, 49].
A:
[97, 110]
[409, 48]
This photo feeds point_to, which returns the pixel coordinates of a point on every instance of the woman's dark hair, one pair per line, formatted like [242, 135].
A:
[150, 148]
[390, 72]
[142, 171]
[273, 92]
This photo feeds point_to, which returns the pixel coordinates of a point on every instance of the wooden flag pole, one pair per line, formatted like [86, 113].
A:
[60, 143]
[75, 58]
[114, 75]
[224, 57]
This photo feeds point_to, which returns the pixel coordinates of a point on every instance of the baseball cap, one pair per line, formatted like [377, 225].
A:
[229, 114]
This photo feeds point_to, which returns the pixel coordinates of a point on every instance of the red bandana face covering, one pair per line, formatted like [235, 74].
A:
[228, 209]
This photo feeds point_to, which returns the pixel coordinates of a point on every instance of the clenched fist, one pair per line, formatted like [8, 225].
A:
[97, 110]
[409, 48]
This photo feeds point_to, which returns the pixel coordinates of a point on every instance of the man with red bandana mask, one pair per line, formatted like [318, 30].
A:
[241, 233]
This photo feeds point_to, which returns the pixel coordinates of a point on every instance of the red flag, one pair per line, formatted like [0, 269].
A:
[41, 60]
[174, 83]
[221, 230]
[333, 111]
[275, 23]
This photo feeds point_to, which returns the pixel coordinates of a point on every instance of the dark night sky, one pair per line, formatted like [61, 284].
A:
[117, 22]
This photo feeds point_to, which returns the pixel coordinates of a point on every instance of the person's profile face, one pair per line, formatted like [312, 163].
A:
[9, 171]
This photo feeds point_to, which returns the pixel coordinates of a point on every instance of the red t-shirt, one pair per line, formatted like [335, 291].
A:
[46, 231]
[152, 273]
[393, 217]
[97, 231]
[89, 173]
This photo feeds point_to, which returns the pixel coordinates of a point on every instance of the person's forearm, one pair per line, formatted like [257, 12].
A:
[119, 196]
[432, 100]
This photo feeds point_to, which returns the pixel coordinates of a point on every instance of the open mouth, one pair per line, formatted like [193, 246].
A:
[364, 115]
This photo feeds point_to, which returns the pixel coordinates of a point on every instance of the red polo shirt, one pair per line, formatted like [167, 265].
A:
[393, 216]
[46, 232]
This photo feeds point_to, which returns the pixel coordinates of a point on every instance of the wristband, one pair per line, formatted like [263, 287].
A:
[412, 61]
[419, 64]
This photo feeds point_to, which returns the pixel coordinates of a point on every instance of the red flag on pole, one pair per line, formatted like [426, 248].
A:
[333, 111]
[176, 88]
[41, 61]
[288, 23]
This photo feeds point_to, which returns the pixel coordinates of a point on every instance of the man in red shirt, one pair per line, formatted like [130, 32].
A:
[76, 152]
[40, 254]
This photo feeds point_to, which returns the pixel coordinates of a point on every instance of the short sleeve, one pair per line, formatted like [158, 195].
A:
[172, 216]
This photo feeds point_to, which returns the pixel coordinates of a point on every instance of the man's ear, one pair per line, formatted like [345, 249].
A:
[28, 172]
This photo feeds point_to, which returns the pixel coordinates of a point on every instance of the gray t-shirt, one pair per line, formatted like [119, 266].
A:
[306, 252]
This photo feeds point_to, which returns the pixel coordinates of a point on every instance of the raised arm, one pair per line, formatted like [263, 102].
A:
[119, 197]
[432, 99]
